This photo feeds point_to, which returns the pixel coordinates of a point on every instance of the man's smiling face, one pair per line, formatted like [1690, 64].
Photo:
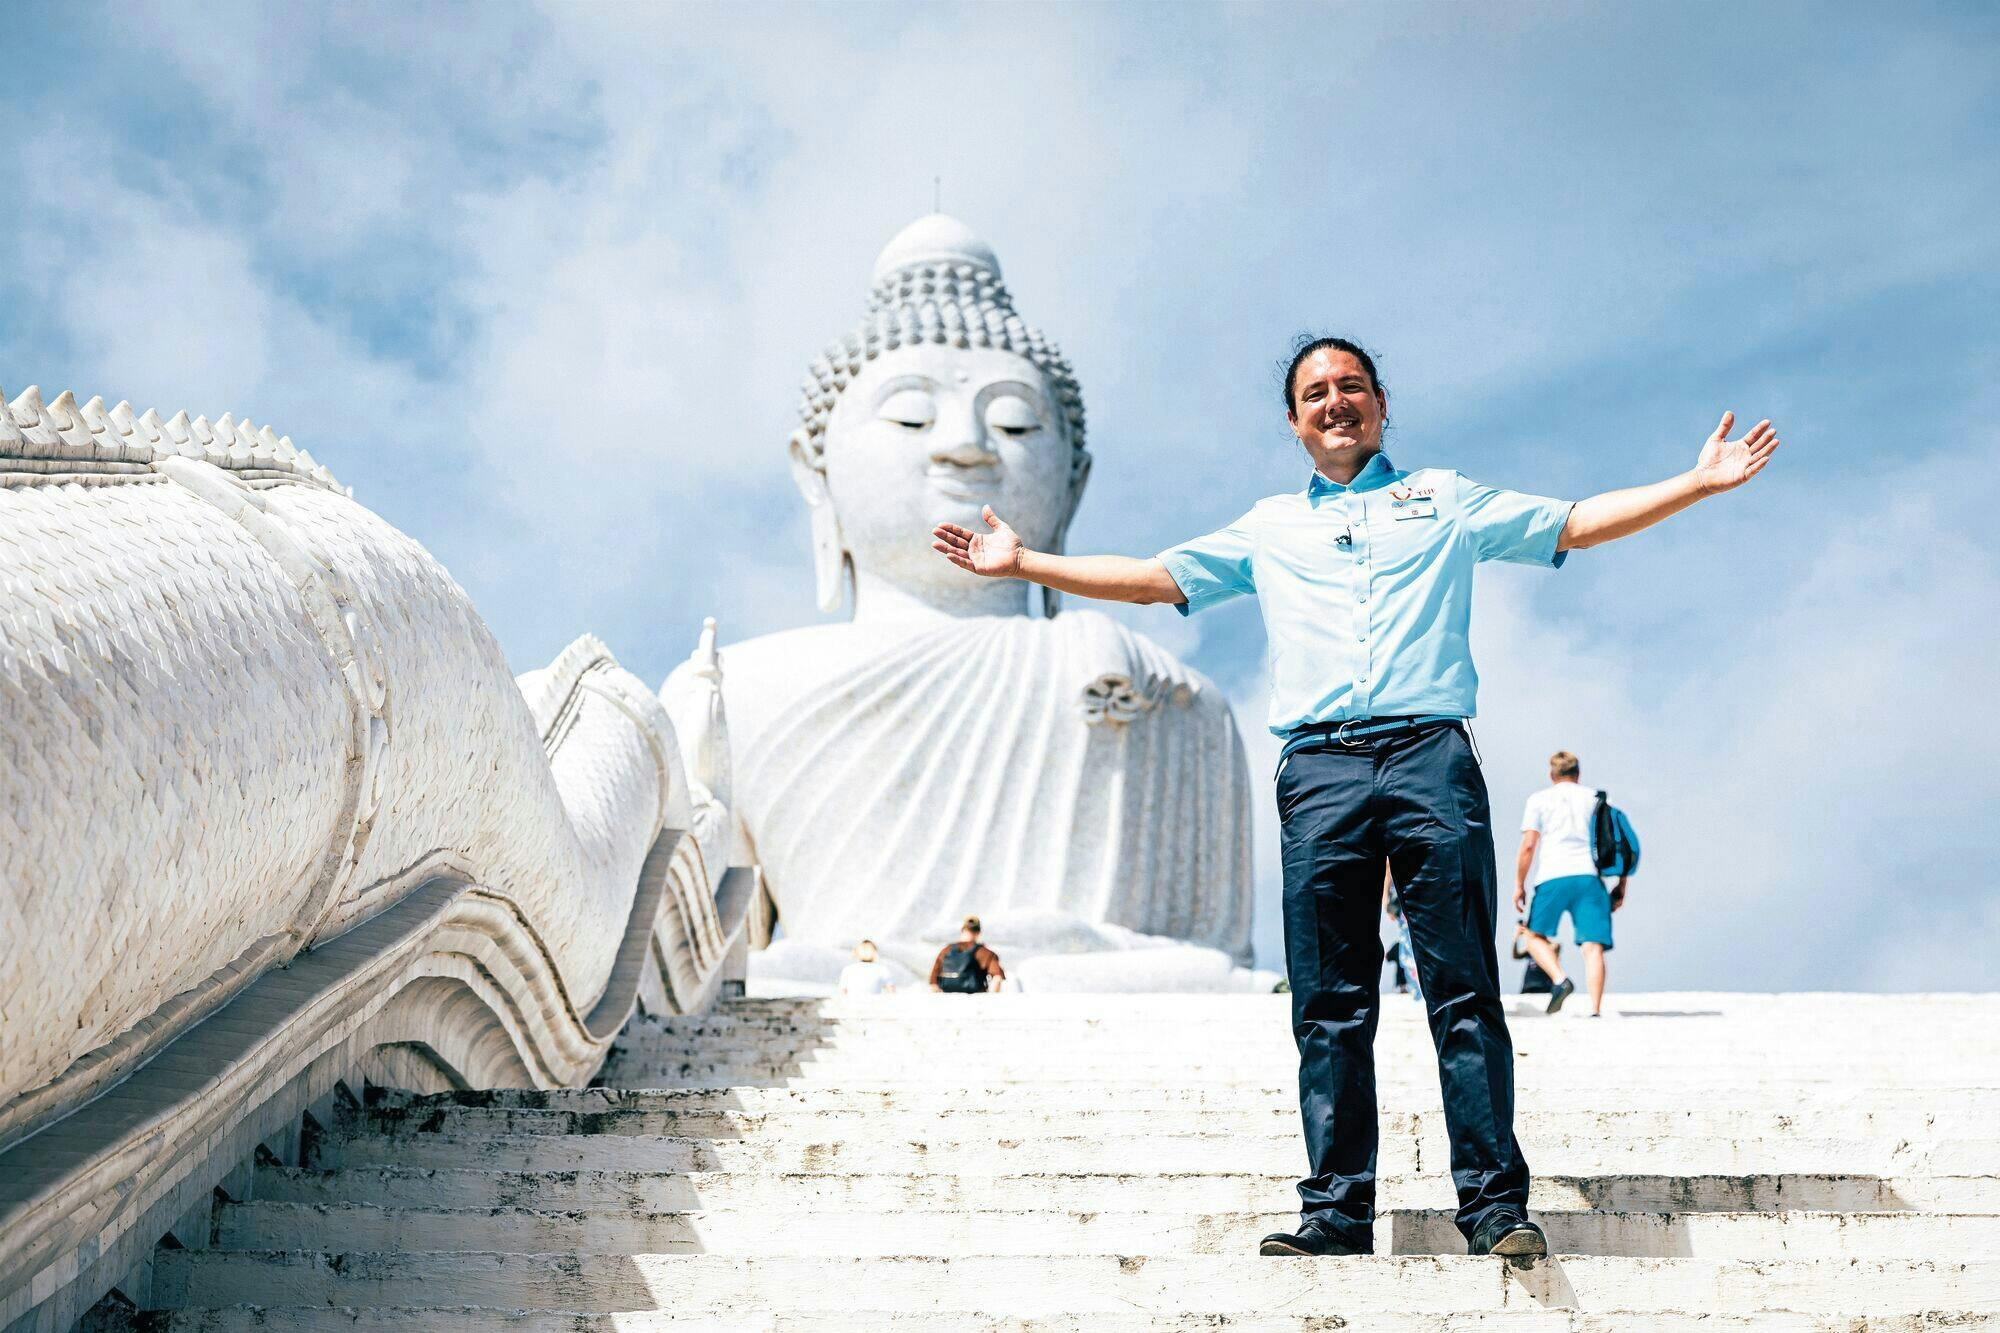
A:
[1337, 412]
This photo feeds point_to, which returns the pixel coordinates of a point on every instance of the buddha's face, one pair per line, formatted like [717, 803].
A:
[929, 434]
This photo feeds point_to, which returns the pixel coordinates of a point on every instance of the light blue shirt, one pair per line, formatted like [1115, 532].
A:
[1377, 624]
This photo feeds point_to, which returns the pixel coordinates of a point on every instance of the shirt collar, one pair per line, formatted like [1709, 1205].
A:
[1377, 471]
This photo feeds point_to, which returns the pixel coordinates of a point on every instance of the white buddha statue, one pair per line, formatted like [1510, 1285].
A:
[942, 752]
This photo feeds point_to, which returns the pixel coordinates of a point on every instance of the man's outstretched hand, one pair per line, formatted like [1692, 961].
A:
[996, 554]
[1726, 464]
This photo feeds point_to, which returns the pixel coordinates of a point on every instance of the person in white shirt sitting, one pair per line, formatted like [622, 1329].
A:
[867, 974]
[1557, 824]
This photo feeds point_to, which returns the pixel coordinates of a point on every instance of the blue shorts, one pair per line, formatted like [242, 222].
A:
[1586, 900]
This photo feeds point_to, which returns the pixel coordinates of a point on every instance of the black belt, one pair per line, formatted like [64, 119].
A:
[1350, 735]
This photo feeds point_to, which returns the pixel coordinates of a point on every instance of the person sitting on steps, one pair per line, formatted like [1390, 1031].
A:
[867, 974]
[967, 967]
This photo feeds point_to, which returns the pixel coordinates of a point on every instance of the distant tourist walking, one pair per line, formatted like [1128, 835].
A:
[1556, 829]
[967, 967]
[1401, 953]
[1364, 576]
[867, 974]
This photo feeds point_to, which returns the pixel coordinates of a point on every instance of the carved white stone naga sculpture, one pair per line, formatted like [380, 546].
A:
[243, 714]
[943, 752]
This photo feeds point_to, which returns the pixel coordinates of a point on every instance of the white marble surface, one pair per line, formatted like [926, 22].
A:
[942, 752]
[1042, 951]
[244, 714]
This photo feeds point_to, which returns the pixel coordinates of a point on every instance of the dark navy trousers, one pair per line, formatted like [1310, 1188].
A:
[1417, 801]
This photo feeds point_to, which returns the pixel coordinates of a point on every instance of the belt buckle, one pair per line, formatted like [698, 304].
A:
[1340, 735]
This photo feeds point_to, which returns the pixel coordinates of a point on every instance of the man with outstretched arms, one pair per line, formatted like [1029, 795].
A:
[1364, 578]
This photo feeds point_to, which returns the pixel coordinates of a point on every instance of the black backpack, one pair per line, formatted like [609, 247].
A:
[959, 970]
[1613, 845]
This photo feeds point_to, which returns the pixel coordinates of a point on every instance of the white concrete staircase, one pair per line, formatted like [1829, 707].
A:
[1109, 1162]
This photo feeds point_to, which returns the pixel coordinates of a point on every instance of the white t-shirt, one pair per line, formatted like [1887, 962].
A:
[1561, 814]
[865, 979]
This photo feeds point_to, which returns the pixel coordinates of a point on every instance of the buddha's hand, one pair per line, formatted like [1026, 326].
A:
[996, 554]
[1726, 464]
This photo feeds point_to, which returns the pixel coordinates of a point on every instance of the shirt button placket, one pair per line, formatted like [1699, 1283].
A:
[1360, 529]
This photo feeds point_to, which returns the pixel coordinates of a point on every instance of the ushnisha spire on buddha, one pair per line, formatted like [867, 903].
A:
[936, 282]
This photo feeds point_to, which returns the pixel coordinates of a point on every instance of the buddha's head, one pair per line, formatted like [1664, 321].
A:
[941, 402]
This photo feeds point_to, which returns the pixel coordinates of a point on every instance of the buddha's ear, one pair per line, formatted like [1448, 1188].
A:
[808, 470]
[831, 568]
[1079, 473]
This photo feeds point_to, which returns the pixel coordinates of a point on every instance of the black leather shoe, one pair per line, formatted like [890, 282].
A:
[1563, 991]
[1506, 1232]
[1313, 1239]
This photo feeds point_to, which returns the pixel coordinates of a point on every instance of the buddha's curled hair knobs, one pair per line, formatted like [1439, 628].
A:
[936, 282]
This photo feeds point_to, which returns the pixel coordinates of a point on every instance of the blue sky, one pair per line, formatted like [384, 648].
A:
[539, 284]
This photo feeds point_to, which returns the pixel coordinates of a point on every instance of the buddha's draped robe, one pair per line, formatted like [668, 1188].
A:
[896, 778]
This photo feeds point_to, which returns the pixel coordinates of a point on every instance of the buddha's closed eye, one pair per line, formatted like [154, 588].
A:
[1012, 417]
[911, 409]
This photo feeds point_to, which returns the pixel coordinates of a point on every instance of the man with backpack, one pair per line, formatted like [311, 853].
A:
[967, 967]
[1580, 838]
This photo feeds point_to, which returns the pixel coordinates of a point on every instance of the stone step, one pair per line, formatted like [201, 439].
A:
[1235, 1192]
[1189, 1068]
[1068, 1285]
[1518, 1319]
[1614, 1039]
[1080, 1097]
[951, 1063]
[1398, 1030]
[1168, 1045]
[983, 1122]
[1803, 1006]
[1085, 1013]
[1741, 1015]
[1169, 1053]
[1105, 1006]
[1623, 1087]
[1269, 1153]
[1873, 1015]
[1060, 1163]
[963, 1067]
[1401, 1025]
[1796, 1235]
[1400, 1019]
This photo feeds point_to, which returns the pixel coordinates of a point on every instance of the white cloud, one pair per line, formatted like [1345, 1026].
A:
[1813, 794]
[170, 309]
[542, 285]
[1809, 789]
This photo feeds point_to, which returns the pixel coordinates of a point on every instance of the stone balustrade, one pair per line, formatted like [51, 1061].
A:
[278, 817]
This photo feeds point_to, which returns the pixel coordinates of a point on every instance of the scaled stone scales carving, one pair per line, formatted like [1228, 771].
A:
[243, 714]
